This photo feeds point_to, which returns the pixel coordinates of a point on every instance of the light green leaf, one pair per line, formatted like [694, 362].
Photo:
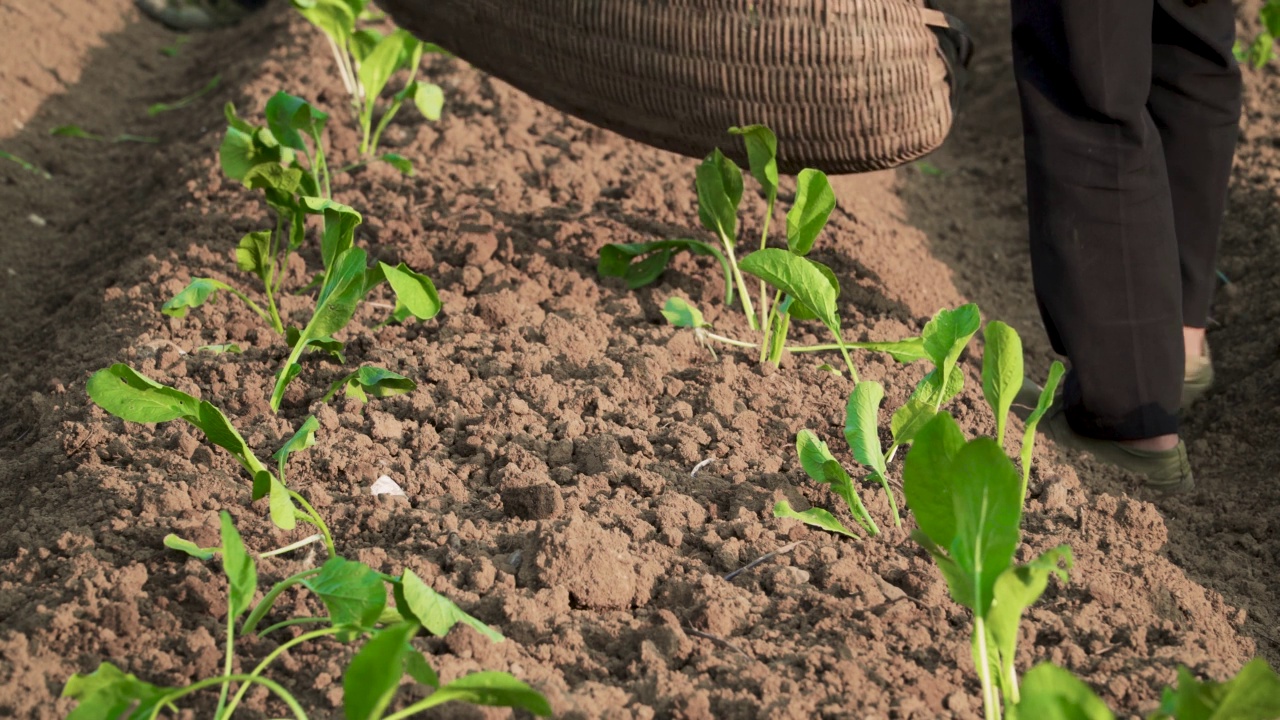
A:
[822, 467]
[131, 396]
[74, 131]
[680, 313]
[304, 438]
[762, 154]
[415, 292]
[1253, 694]
[222, 348]
[353, 593]
[363, 42]
[199, 292]
[1001, 371]
[280, 182]
[287, 114]
[927, 479]
[109, 694]
[808, 216]
[904, 351]
[947, 334]
[173, 542]
[283, 511]
[1017, 589]
[800, 311]
[399, 162]
[242, 577]
[1056, 371]
[334, 17]
[416, 667]
[618, 260]
[799, 277]
[371, 680]
[816, 517]
[253, 255]
[374, 381]
[719, 185]
[1051, 693]
[437, 613]
[988, 517]
[340, 223]
[861, 425]
[490, 689]
[429, 99]
[381, 63]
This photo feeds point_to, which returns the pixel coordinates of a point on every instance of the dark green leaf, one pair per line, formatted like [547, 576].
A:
[434, 611]
[414, 292]
[270, 176]
[199, 292]
[173, 542]
[288, 114]
[680, 313]
[353, 592]
[762, 154]
[799, 277]
[814, 203]
[374, 381]
[74, 131]
[340, 223]
[242, 577]
[816, 517]
[800, 311]
[253, 255]
[927, 481]
[129, 395]
[374, 674]
[304, 438]
[617, 260]
[399, 162]
[490, 689]
[862, 425]
[1051, 693]
[218, 429]
[1056, 371]
[719, 185]
[988, 517]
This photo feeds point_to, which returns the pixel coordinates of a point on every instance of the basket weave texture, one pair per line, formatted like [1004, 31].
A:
[846, 85]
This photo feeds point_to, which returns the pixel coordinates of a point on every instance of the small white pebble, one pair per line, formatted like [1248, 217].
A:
[701, 465]
[385, 486]
[37, 220]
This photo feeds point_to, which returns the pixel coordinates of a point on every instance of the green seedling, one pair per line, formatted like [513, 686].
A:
[366, 62]
[822, 467]
[29, 167]
[356, 600]
[75, 131]
[133, 397]
[368, 381]
[1261, 50]
[176, 47]
[221, 348]
[185, 101]
[622, 260]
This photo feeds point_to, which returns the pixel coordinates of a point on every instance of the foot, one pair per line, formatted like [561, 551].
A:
[188, 15]
[1166, 470]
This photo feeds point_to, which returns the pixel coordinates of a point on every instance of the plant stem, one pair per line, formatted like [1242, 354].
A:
[848, 361]
[727, 341]
[990, 702]
[291, 547]
[252, 305]
[893, 504]
[290, 623]
[262, 666]
[769, 321]
[320, 165]
[764, 289]
[271, 685]
[226, 666]
[343, 70]
[742, 285]
[315, 516]
[264, 605]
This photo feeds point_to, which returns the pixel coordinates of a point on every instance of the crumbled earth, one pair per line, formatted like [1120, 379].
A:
[547, 453]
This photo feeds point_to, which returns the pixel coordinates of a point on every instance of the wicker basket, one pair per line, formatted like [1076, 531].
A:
[847, 85]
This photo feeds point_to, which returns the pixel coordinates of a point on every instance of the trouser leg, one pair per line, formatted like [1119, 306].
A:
[1195, 102]
[1103, 249]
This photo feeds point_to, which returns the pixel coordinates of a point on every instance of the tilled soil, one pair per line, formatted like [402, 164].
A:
[547, 454]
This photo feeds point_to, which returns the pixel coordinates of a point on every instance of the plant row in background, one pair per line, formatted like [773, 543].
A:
[966, 496]
[285, 160]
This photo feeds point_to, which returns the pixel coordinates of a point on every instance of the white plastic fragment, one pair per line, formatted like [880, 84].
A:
[385, 486]
[36, 220]
[701, 465]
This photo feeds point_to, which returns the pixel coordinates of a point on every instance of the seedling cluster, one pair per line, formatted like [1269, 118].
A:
[285, 160]
[966, 496]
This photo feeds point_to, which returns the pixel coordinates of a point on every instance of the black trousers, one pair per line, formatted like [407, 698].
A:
[1130, 113]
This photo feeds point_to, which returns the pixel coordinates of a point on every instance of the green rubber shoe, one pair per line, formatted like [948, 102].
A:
[186, 15]
[1167, 471]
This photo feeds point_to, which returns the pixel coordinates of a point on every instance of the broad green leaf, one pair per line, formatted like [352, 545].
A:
[74, 131]
[762, 154]
[1017, 589]
[185, 101]
[284, 514]
[837, 478]
[798, 277]
[352, 592]
[340, 223]
[110, 694]
[237, 154]
[399, 162]
[173, 542]
[242, 577]
[816, 517]
[862, 425]
[371, 680]
[1269, 14]
[129, 395]
[287, 114]
[1253, 694]
[813, 454]
[429, 99]
[680, 313]
[799, 310]
[363, 42]
[304, 438]
[923, 404]
[281, 183]
[927, 480]
[988, 516]
[253, 255]
[342, 290]
[381, 63]
[904, 351]
[414, 291]
[219, 431]
[416, 667]
[719, 185]
[434, 611]
[619, 260]
[199, 292]
[1001, 371]
[1051, 693]
[947, 334]
[322, 344]
[1056, 371]
[374, 381]
[490, 689]
[334, 17]
[814, 203]
[222, 348]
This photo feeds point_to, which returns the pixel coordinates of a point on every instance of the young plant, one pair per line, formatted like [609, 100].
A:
[133, 397]
[1262, 49]
[356, 599]
[366, 62]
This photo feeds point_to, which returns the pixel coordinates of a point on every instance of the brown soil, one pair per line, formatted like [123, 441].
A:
[547, 451]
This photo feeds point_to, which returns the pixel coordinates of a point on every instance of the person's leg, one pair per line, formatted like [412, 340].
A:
[1104, 254]
[1195, 103]
[188, 15]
